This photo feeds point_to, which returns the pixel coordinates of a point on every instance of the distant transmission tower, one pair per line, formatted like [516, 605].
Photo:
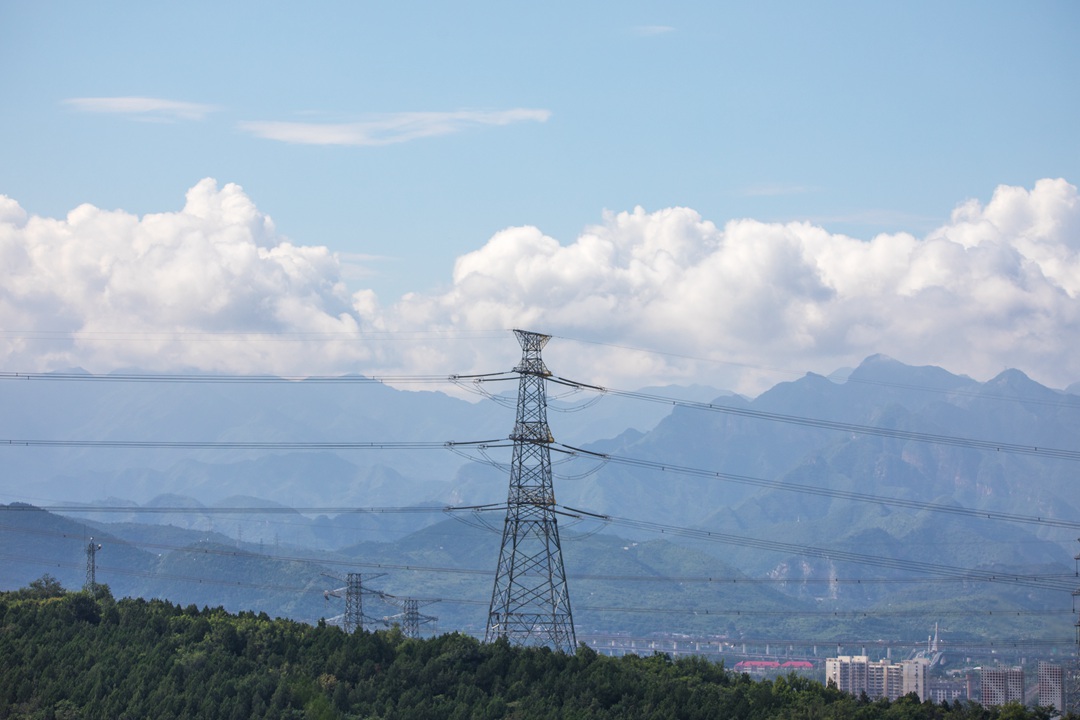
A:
[354, 603]
[530, 602]
[353, 592]
[91, 566]
[410, 618]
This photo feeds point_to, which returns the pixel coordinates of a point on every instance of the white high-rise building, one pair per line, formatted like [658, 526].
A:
[1001, 685]
[1052, 685]
[857, 674]
[914, 672]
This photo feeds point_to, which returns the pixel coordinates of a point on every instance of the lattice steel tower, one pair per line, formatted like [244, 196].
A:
[91, 566]
[410, 618]
[354, 603]
[530, 603]
[353, 592]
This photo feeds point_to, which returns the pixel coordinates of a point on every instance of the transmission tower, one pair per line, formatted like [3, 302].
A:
[91, 567]
[353, 592]
[530, 602]
[354, 603]
[410, 618]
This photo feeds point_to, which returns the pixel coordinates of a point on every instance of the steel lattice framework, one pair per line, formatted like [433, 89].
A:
[410, 624]
[353, 592]
[410, 618]
[530, 602]
[354, 603]
[91, 566]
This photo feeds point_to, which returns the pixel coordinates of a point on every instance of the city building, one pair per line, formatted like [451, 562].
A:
[857, 674]
[940, 690]
[1002, 685]
[847, 673]
[914, 678]
[1052, 685]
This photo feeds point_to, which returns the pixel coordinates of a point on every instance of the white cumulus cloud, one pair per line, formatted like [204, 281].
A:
[209, 287]
[995, 287]
[213, 286]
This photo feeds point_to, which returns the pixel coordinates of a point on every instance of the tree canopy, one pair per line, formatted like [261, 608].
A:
[77, 655]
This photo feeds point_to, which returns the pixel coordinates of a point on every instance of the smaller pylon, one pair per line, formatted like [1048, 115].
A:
[354, 602]
[410, 618]
[91, 566]
[353, 592]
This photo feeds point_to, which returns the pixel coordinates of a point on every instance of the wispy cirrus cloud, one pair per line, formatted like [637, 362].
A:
[389, 129]
[143, 108]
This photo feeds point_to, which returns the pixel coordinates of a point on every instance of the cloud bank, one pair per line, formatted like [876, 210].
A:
[213, 286]
[106, 289]
[389, 129]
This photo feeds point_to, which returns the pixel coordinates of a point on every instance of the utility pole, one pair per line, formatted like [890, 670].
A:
[91, 567]
[530, 601]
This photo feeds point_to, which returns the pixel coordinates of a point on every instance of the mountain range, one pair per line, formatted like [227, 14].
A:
[886, 488]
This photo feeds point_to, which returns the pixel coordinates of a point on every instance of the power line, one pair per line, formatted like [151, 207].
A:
[932, 438]
[1051, 582]
[656, 465]
[957, 575]
[1040, 580]
[820, 491]
[387, 335]
[242, 510]
[245, 445]
[256, 336]
[1066, 401]
[696, 612]
[198, 378]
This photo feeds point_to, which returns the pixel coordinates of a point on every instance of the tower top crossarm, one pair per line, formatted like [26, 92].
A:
[531, 345]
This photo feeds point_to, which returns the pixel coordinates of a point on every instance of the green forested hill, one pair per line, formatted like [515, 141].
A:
[71, 655]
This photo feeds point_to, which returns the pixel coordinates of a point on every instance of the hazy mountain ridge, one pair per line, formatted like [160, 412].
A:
[881, 392]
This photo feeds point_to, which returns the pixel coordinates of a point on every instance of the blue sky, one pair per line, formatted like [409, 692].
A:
[403, 136]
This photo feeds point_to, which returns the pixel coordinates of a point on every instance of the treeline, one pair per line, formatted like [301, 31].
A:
[78, 655]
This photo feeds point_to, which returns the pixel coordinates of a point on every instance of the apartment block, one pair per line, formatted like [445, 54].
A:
[857, 674]
[1002, 685]
[1052, 685]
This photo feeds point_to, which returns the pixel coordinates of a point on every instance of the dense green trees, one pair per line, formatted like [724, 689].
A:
[77, 656]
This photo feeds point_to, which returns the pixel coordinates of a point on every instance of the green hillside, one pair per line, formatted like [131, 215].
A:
[73, 655]
[618, 586]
